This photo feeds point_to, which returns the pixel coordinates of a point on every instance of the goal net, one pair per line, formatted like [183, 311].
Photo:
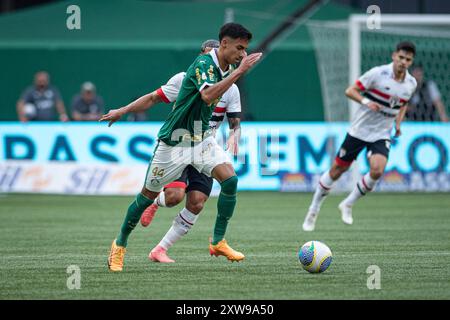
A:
[346, 49]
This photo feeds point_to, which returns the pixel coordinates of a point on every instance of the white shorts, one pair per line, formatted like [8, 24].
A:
[168, 162]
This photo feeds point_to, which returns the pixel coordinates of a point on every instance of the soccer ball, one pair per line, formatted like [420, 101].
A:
[315, 256]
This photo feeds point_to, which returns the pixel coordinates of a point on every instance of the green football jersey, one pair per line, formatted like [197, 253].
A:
[190, 114]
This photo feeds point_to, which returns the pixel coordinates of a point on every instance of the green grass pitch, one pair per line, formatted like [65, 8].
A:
[406, 235]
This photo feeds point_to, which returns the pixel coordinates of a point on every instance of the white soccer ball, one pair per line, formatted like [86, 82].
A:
[315, 256]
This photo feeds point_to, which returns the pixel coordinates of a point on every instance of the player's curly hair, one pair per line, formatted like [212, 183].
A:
[234, 31]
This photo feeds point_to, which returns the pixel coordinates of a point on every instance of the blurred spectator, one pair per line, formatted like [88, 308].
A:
[426, 103]
[41, 101]
[87, 106]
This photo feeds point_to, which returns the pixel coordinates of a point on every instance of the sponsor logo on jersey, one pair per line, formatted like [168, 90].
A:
[197, 75]
[211, 73]
[154, 182]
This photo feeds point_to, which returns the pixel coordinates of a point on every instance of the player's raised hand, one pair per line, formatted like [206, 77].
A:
[249, 60]
[112, 116]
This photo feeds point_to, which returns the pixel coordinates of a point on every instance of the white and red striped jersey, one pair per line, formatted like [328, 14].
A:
[229, 104]
[169, 91]
[379, 85]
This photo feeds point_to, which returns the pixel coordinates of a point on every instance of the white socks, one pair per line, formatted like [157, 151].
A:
[323, 188]
[182, 223]
[160, 200]
[365, 185]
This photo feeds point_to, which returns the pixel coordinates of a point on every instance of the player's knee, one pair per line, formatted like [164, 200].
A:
[376, 172]
[229, 186]
[173, 196]
[336, 171]
[195, 208]
[196, 203]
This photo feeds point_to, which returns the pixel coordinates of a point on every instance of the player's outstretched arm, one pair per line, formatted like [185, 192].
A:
[212, 93]
[353, 92]
[141, 104]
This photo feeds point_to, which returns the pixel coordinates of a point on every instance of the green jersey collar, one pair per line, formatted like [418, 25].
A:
[213, 54]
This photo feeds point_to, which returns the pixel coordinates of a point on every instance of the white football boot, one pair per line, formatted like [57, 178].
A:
[310, 220]
[346, 213]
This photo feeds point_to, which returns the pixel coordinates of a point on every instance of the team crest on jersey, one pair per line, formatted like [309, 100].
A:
[394, 101]
[342, 153]
[211, 73]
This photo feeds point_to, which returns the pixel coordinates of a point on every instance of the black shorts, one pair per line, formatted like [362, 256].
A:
[193, 180]
[352, 146]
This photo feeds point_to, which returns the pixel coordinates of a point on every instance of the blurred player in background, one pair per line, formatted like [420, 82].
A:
[185, 138]
[197, 185]
[382, 93]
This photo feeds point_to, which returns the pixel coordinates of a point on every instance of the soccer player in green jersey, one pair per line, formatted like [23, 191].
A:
[195, 185]
[185, 139]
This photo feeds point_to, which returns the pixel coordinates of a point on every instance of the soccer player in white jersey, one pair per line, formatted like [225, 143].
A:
[197, 185]
[382, 93]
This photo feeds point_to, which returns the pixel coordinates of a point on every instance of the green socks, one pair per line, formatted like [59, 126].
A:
[225, 207]
[134, 213]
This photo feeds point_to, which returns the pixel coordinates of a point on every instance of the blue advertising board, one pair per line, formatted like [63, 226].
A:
[287, 156]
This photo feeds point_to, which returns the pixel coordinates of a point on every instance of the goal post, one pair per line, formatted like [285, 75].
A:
[406, 25]
[345, 49]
